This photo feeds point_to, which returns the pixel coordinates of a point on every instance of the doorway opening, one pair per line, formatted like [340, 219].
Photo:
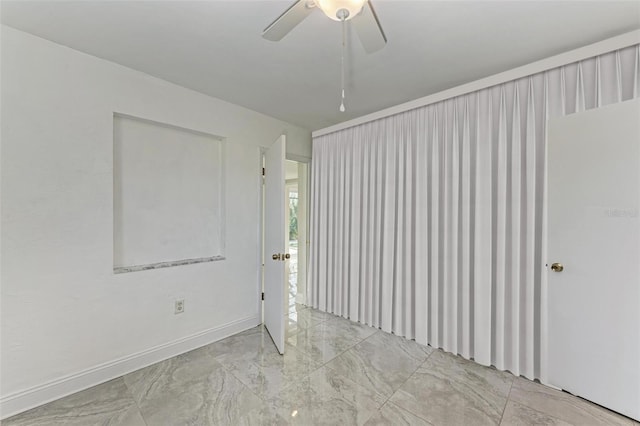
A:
[296, 225]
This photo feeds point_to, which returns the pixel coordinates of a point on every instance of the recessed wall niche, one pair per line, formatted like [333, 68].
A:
[168, 195]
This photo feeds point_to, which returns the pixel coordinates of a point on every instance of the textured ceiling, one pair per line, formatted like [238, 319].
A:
[215, 47]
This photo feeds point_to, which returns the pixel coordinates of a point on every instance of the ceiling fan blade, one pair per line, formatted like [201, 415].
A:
[288, 20]
[369, 29]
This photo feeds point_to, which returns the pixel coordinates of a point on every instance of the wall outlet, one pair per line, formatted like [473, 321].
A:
[179, 306]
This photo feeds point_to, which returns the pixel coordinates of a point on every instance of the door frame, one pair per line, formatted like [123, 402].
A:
[307, 161]
[260, 236]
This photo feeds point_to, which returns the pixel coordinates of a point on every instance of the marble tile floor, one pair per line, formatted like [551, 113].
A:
[334, 372]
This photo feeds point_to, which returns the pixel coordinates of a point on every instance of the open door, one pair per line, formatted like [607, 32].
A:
[594, 252]
[274, 242]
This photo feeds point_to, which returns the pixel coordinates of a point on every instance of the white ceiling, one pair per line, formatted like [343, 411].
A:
[215, 47]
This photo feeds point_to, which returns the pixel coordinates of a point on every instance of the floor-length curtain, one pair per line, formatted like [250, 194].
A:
[429, 223]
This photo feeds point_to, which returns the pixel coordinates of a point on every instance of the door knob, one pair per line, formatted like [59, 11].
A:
[276, 256]
[557, 267]
[287, 256]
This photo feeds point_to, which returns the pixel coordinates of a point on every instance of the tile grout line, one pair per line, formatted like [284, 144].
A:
[570, 401]
[344, 352]
[323, 365]
[508, 399]
[378, 330]
[409, 378]
[224, 367]
[261, 398]
[352, 346]
[291, 347]
[336, 317]
[134, 399]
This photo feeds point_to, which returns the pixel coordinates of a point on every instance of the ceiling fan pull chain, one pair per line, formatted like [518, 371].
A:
[344, 23]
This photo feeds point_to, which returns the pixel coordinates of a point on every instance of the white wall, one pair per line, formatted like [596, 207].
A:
[67, 320]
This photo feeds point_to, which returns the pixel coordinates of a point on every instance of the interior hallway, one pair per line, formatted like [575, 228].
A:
[334, 372]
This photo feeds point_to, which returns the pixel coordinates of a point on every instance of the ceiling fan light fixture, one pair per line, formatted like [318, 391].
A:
[340, 10]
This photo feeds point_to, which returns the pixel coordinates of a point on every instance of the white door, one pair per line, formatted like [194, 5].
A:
[274, 243]
[594, 232]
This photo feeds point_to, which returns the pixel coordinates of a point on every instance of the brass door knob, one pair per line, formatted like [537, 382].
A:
[557, 267]
[287, 256]
[276, 256]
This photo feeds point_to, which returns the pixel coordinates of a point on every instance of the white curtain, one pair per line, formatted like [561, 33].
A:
[429, 223]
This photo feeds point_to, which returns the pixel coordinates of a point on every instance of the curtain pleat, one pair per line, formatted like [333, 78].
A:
[500, 199]
[527, 298]
[466, 232]
[429, 224]
[636, 74]
[580, 101]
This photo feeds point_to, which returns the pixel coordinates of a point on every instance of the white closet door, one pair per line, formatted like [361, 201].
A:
[594, 233]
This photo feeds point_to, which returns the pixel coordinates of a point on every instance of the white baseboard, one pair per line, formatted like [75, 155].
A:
[56, 389]
[549, 385]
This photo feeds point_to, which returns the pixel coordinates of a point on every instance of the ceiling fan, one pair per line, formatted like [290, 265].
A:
[359, 12]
